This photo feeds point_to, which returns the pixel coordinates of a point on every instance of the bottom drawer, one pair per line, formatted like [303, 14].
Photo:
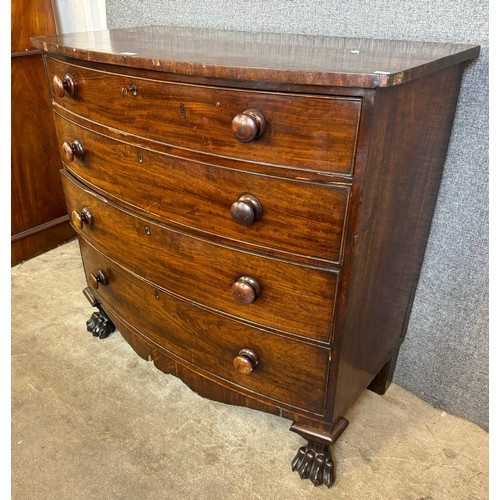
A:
[287, 370]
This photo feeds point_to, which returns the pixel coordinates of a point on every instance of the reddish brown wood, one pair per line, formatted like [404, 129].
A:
[58, 86]
[383, 378]
[248, 125]
[297, 175]
[265, 57]
[204, 272]
[36, 196]
[246, 210]
[175, 190]
[246, 361]
[67, 152]
[246, 290]
[30, 18]
[199, 118]
[211, 341]
[37, 204]
[70, 151]
[39, 240]
[282, 171]
[399, 202]
[34, 154]
[79, 218]
[100, 278]
[202, 382]
[63, 85]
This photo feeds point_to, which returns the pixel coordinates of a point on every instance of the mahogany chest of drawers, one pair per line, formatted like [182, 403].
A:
[253, 209]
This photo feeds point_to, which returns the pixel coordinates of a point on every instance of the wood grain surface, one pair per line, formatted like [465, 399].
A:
[294, 298]
[200, 196]
[38, 221]
[267, 57]
[399, 196]
[208, 340]
[307, 290]
[307, 132]
[37, 200]
[30, 18]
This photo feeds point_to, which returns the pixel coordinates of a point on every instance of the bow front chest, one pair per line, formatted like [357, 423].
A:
[253, 209]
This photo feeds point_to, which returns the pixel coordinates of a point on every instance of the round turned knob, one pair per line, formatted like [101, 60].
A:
[81, 218]
[248, 125]
[246, 361]
[246, 290]
[246, 209]
[99, 278]
[63, 85]
[69, 151]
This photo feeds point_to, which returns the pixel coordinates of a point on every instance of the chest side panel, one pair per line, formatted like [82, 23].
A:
[409, 139]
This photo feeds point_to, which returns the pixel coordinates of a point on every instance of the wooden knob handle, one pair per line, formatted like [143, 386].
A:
[63, 85]
[246, 209]
[81, 218]
[69, 151]
[99, 278]
[246, 361]
[246, 290]
[249, 125]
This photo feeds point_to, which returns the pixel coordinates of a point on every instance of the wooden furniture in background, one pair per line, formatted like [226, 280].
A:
[253, 209]
[38, 217]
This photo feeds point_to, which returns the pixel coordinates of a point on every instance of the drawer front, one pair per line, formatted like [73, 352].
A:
[287, 370]
[297, 218]
[289, 297]
[297, 130]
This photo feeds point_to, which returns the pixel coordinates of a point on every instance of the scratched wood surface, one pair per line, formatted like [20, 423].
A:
[211, 341]
[302, 131]
[200, 196]
[294, 298]
[367, 117]
[268, 57]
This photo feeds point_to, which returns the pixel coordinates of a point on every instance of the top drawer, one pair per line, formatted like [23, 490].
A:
[296, 130]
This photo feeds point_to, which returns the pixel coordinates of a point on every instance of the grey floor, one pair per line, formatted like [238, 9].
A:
[92, 420]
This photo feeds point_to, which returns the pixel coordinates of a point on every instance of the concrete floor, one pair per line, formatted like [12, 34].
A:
[91, 420]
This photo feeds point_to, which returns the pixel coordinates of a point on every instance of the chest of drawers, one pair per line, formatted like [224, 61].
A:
[253, 209]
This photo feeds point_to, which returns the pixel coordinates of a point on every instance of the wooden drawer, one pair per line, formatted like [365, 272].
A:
[293, 298]
[297, 217]
[301, 131]
[211, 341]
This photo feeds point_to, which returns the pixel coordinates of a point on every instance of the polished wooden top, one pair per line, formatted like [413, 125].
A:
[287, 58]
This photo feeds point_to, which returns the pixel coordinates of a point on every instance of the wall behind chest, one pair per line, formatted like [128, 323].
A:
[445, 356]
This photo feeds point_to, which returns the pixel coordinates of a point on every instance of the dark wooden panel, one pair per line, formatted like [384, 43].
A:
[211, 341]
[282, 172]
[30, 18]
[293, 298]
[201, 381]
[308, 132]
[201, 196]
[40, 242]
[36, 193]
[268, 57]
[411, 130]
[162, 168]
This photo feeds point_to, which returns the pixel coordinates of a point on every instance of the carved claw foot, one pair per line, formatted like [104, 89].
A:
[100, 325]
[314, 461]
